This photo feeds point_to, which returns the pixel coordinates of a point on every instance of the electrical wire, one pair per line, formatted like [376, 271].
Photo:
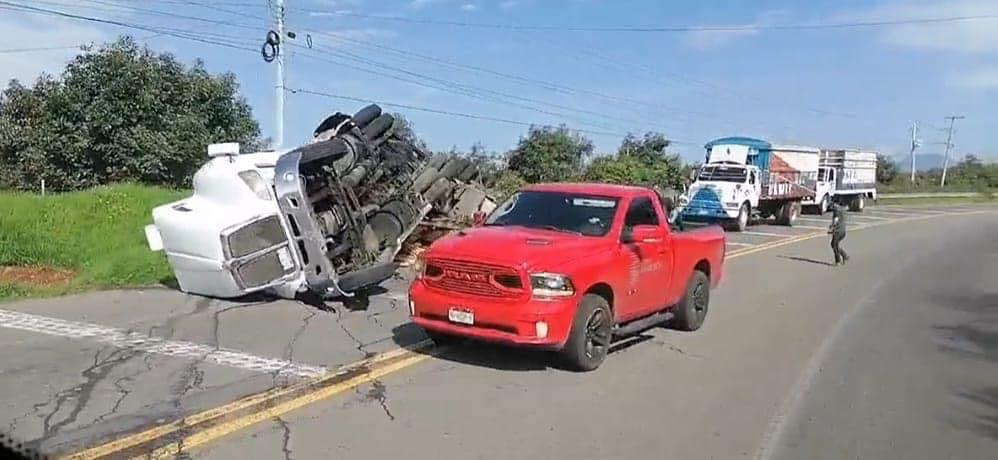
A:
[670, 29]
[446, 112]
[188, 35]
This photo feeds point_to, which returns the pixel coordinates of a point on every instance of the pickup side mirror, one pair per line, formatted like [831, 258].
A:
[643, 234]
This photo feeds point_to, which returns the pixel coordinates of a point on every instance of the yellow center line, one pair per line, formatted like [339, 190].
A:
[327, 386]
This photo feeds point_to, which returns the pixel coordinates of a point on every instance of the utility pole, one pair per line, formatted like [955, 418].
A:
[279, 84]
[914, 145]
[949, 144]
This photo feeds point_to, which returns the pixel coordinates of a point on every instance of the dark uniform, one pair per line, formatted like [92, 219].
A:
[838, 232]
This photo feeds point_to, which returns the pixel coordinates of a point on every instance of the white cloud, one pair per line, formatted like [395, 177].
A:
[21, 30]
[984, 78]
[469, 7]
[970, 36]
[707, 39]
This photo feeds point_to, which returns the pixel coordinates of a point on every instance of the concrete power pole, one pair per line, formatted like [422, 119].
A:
[279, 83]
[914, 145]
[949, 144]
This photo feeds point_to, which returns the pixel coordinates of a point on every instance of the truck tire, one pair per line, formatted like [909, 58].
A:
[857, 203]
[741, 222]
[425, 178]
[589, 340]
[823, 206]
[439, 191]
[468, 173]
[691, 311]
[453, 167]
[788, 213]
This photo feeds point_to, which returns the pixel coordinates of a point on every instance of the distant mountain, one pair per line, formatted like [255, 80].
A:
[922, 162]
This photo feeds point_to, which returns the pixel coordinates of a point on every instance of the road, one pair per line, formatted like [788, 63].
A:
[797, 359]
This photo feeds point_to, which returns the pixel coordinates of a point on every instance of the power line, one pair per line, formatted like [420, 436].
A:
[64, 47]
[444, 112]
[671, 29]
[546, 85]
[188, 35]
[438, 84]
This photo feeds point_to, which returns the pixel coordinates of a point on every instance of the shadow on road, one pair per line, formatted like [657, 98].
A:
[977, 340]
[499, 356]
[805, 259]
[982, 418]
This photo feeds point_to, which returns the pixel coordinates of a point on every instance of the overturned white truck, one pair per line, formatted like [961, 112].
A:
[328, 217]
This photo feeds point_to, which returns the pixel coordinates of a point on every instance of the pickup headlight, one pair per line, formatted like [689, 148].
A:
[551, 285]
[256, 183]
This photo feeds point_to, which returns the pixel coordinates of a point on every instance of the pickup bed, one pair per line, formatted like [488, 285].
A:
[568, 267]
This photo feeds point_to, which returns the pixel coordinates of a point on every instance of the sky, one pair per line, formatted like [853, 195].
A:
[859, 87]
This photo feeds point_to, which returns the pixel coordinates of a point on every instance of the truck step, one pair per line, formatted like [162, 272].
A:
[642, 324]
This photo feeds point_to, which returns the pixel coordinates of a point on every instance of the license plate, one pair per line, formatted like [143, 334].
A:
[701, 211]
[461, 315]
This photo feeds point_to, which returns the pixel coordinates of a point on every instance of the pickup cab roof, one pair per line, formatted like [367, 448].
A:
[610, 190]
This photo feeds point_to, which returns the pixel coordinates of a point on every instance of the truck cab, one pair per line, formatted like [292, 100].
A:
[724, 191]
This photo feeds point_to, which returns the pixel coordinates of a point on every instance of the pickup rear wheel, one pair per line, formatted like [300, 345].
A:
[692, 309]
[589, 340]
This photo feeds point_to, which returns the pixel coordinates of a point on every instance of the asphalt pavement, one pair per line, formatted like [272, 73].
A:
[798, 359]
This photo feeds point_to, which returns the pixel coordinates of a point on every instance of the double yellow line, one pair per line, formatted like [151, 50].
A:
[172, 438]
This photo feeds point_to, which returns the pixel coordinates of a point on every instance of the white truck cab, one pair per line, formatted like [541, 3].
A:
[227, 238]
[724, 190]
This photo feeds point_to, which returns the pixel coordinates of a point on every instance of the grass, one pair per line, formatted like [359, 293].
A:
[928, 201]
[96, 233]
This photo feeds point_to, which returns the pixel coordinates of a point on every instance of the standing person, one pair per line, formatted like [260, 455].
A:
[838, 232]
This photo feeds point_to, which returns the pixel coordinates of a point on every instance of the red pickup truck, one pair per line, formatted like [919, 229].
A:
[568, 267]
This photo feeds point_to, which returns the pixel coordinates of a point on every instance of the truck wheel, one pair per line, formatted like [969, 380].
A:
[858, 203]
[453, 168]
[589, 341]
[823, 207]
[692, 309]
[742, 221]
[793, 212]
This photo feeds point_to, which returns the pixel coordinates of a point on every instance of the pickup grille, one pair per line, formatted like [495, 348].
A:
[473, 278]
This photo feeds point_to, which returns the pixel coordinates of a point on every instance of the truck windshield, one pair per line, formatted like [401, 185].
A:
[722, 173]
[565, 212]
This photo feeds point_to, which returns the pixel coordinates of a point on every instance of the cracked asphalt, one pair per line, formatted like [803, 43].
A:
[797, 359]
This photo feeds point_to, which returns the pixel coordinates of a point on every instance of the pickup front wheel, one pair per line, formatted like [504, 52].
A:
[692, 310]
[589, 341]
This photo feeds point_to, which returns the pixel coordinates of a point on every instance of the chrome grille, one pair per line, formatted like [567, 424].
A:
[256, 236]
[473, 278]
[262, 270]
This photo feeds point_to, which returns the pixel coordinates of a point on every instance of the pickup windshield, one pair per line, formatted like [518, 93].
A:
[722, 173]
[564, 212]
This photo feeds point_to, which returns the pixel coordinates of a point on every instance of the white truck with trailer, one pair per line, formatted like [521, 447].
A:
[845, 176]
[743, 179]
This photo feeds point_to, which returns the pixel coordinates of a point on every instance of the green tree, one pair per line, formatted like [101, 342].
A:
[548, 154]
[119, 113]
[639, 161]
[887, 169]
[404, 129]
